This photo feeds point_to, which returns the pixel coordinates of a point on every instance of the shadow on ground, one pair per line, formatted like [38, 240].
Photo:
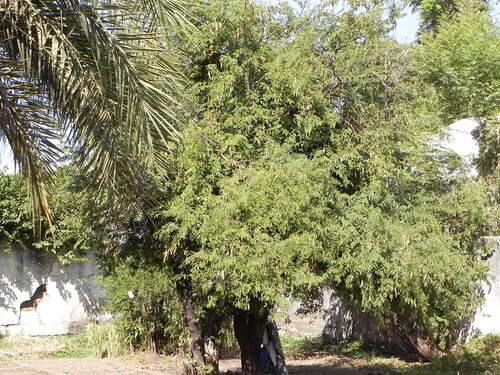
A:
[321, 366]
[335, 369]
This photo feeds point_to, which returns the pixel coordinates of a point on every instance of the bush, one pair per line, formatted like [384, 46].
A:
[480, 356]
[151, 319]
[106, 340]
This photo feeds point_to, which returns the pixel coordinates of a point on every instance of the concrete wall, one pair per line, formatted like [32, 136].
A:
[335, 320]
[67, 297]
[295, 323]
[487, 319]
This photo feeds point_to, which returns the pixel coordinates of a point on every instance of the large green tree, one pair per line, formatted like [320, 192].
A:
[92, 75]
[309, 165]
[461, 61]
[434, 12]
[306, 163]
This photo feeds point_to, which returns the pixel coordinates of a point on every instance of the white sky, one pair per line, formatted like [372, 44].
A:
[6, 159]
[406, 27]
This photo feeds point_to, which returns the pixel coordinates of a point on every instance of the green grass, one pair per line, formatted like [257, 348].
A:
[72, 346]
[106, 340]
[97, 340]
[480, 356]
[69, 346]
[5, 345]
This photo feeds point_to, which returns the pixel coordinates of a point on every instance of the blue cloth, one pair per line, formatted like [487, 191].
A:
[263, 358]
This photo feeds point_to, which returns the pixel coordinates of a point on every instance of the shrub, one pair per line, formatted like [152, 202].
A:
[151, 319]
[106, 340]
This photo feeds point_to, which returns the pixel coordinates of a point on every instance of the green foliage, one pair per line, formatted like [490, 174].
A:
[70, 238]
[489, 145]
[461, 61]
[151, 320]
[72, 346]
[480, 356]
[228, 343]
[106, 340]
[309, 165]
[488, 163]
[304, 347]
[15, 216]
[431, 10]
[97, 76]
[434, 12]
[83, 223]
[249, 236]
[399, 242]
[67, 346]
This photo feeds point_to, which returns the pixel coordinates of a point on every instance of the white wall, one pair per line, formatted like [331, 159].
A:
[72, 298]
[487, 319]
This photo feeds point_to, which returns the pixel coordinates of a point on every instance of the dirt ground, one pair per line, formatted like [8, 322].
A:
[58, 356]
[160, 365]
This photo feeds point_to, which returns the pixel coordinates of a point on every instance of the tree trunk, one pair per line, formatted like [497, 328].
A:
[410, 342]
[248, 328]
[195, 338]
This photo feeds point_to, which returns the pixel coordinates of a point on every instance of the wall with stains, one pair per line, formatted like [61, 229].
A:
[38, 296]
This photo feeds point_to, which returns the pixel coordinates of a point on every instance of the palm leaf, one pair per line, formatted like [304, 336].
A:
[26, 125]
[105, 73]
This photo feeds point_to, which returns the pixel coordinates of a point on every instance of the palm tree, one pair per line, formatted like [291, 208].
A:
[94, 76]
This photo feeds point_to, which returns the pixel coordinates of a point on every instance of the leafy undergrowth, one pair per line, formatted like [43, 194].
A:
[69, 346]
[480, 356]
[306, 347]
[385, 359]
[106, 340]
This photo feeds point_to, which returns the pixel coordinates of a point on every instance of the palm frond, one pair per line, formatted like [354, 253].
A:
[104, 72]
[26, 125]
